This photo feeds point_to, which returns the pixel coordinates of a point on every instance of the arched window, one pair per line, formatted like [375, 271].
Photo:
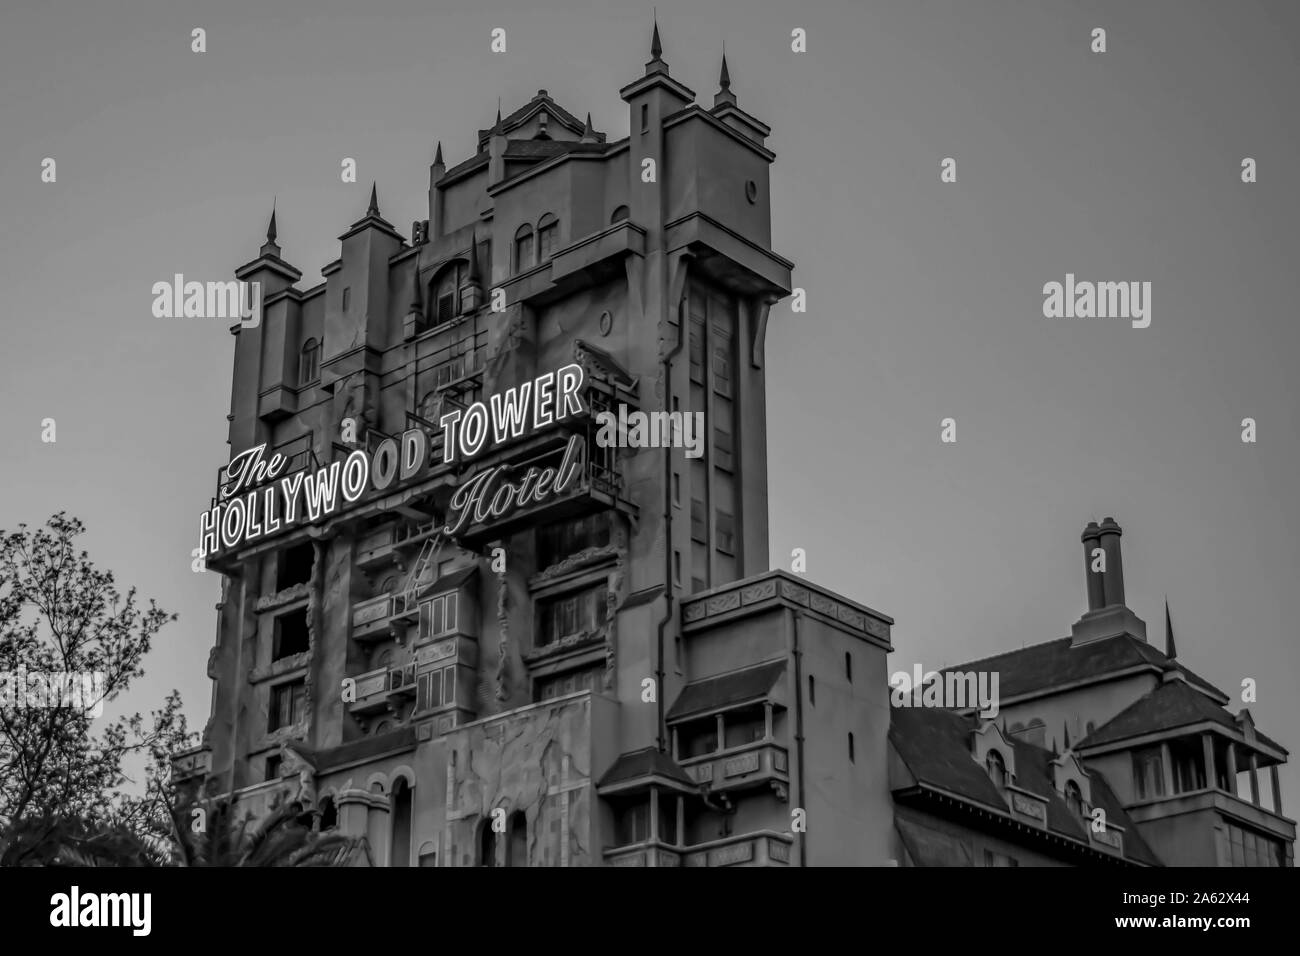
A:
[487, 844]
[444, 293]
[400, 803]
[309, 362]
[517, 839]
[548, 230]
[523, 248]
[848, 666]
[1074, 798]
[620, 214]
[996, 768]
[329, 814]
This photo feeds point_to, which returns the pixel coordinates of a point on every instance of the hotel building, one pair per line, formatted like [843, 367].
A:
[612, 676]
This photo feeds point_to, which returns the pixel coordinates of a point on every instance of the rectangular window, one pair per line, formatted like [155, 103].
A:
[722, 448]
[288, 704]
[677, 568]
[699, 738]
[291, 635]
[699, 523]
[557, 541]
[645, 117]
[697, 352]
[273, 767]
[438, 617]
[722, 370]
[566, 616]
[1148, 773]
[726, 533]
[677, 489]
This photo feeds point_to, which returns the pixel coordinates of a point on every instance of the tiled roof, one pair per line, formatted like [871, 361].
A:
[1172, 704]
[738, 687]
[1044, 666]
[935, 746]
[640, 764]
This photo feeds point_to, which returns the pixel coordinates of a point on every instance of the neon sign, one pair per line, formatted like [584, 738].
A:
[257, 500]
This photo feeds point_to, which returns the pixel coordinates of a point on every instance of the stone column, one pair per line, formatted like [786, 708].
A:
[1167, 768]
[1232, 767]
[1207, 748]
[1254, 779]
[654, 814]
[681, 820]
[767, 719]
[1277, 789]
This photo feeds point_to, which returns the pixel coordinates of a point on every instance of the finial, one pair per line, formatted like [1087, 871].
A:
[656, 48]
[270, 229]
[373, 209]
[437, 156]
[724, 79]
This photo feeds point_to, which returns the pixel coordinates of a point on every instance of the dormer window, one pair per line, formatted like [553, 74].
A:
[1074, 798]
[309, 362]
[524, 248]
[996, 768]
[548, 229]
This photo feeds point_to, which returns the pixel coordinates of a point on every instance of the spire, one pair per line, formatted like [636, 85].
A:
[724, 94]
[656, 64]
[496, 127]
[1066, 728]
[437, 156]
[1170, 650]
[1055, 752]
[271, 247]
[373, 208]
[588, 133]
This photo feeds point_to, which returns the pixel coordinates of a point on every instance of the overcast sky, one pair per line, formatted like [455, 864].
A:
[925, 299]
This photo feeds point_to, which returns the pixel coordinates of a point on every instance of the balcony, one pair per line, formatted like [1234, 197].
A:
[371, 619]
[195, 762]
[382, 687]
[763, 763]
[761, 848]
[649, 853]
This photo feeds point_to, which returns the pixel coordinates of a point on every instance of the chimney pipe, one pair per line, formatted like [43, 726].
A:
[1114, 576]
[1096, 590]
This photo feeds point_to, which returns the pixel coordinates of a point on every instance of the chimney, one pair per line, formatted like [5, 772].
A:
[1096, 587]
[1107, 615]
[1114, 577]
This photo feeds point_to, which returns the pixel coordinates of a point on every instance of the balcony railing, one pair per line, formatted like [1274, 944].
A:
[761, 848]
[737, 768]
[644, 854]
[378, 688]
